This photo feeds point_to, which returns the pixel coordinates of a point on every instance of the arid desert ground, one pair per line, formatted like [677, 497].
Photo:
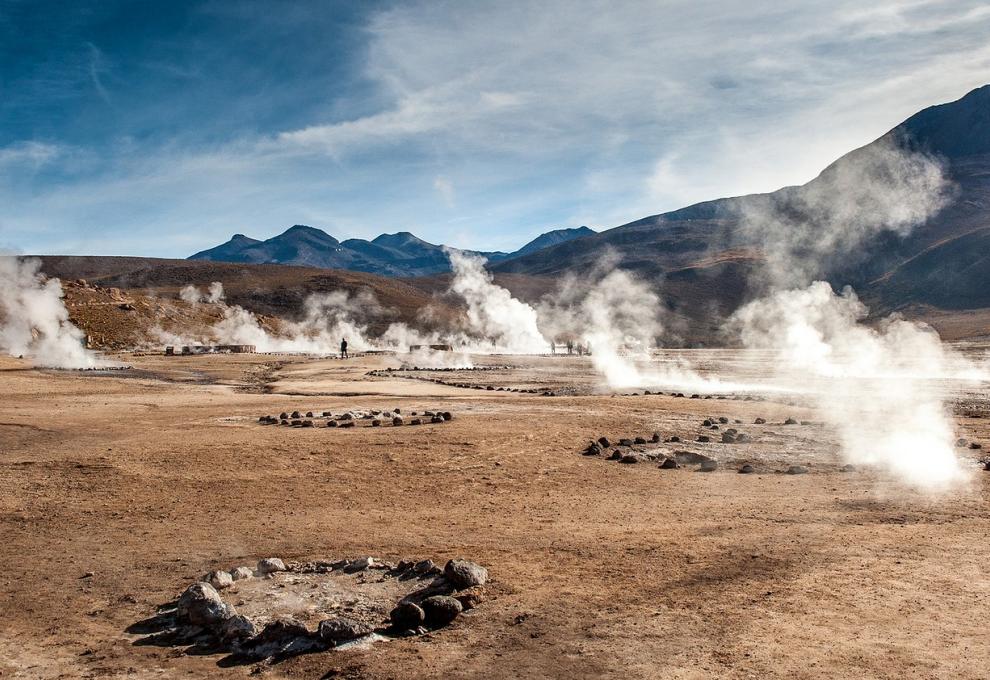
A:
[120, 488]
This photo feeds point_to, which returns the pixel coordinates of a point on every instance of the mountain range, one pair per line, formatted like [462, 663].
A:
[397, 255]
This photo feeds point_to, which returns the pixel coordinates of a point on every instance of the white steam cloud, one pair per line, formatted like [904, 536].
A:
[874, 386]
[492, 313]
[34, 321]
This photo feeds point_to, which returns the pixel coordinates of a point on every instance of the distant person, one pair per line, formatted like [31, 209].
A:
[553, 347]
[343, 348]
[570, 346]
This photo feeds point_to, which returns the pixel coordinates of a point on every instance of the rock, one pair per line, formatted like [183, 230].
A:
[425, 568]
[237, 628]
[220, 579]
[470, 599]
[309, 414]
[282, 631]
[346, 416]
[346, 423]
[606, 444]
[437, 419]
[397, 411]
[397, 421]
[336, 631]
[746, 469]
[797, 470]
[307, 423]
[407, 615]
[986, 465]
[332, 423]
[440, 610]
[728, 438]
[790, 421]
[593, 450]
[296, 423]
[743, 438]
[616, 455]
[723, 420]
[447, 415]
[708, 466]
[704, 439]
[376, 423]
[640, 440]
[668, 464]
[760, 421]
[848, 467]
[975, 446]
[674, 438]
[327, 414]
[295, 414]
[465, 574]
[360, 564]
[241, 573]
[283, 416]
[415, 421]
[707, 423]
[629, 458]
[625, 442]
[655, 438]
[201, 605]
[270, 565]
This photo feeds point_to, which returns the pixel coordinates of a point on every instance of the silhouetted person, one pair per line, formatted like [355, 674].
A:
[343, 348]
[553, 347]
[570, 346]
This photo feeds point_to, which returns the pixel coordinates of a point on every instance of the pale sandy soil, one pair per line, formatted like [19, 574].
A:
[150, 478]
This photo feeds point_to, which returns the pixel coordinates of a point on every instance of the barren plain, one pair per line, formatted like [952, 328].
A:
[119, 488]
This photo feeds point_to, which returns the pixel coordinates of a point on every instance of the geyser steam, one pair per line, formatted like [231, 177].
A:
[34, 321]
[492, 313]
[873, 386]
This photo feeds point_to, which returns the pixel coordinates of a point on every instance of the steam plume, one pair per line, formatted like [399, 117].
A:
[34, 321]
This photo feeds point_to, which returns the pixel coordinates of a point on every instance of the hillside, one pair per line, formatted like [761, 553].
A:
[704, 261]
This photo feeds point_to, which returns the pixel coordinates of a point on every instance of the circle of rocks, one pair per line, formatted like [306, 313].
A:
[374, 418]
[202, 619]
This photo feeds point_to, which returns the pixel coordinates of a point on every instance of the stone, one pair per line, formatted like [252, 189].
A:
[346, 416]
[360, 564]
[283, 416]
[790, 421]
[975, 446]
[447, 415]
[407, 616]
[707, 423]
[440, 610]
[848, 467]
[346, 423]
[241, 573]
[704, 439]
[655, 438]
[708, 466]
[606, 444]
[470, 599]
[237, 628]
[201, 605]
[336, 631]
[327, 414]
[332, 423]
[397, 421]
[425, 568]
[797, 470]
[219, 579]
[961, 442]
[616, 455]
[415, 421]
[625, 442]
[743, 438]
[728, 438]
[668, 464]
[296, 423]
[295, 414]
[309, 414]
[465, 574]
[986, 465]
[376, 423]
[674, 438]
[746, 469]
[282, 631]
[307, 423]
[640, 440]
[593, 450]
[270, 565]
[437, 419]
[629, 458]
[723, 420]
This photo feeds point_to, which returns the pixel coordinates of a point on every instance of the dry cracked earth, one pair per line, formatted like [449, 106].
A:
[117, 490]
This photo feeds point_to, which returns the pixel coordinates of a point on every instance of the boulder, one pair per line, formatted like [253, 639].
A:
[668, 464]
[723, 420]
[655, 438]
[790, 421]
[728, 438]
[270, 565]
[640, 440]
[376, 423]
[674, 438]
[281, 631]
[397, 421]
[407, 616]
[708, 466]
[470, 599]
[241, 573]
[346, 423]
[219, 579]
[625, 442]
[629, 458]
[465, 574]
[797, 470]
[704, 439]
[237, 628]
[616, 455]
[447, 415]
[606, 444]
[336, 631]
[201, 605]
[593, 450]
[848, 467]
[707, 423]
[746, 469]
[295, 414]
[425, 568]
[283, 416]
[975, 446]
[440, 610]
[760, 421]
[332, 423]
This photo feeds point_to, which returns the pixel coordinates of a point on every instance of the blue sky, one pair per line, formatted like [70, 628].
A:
[161, 128]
